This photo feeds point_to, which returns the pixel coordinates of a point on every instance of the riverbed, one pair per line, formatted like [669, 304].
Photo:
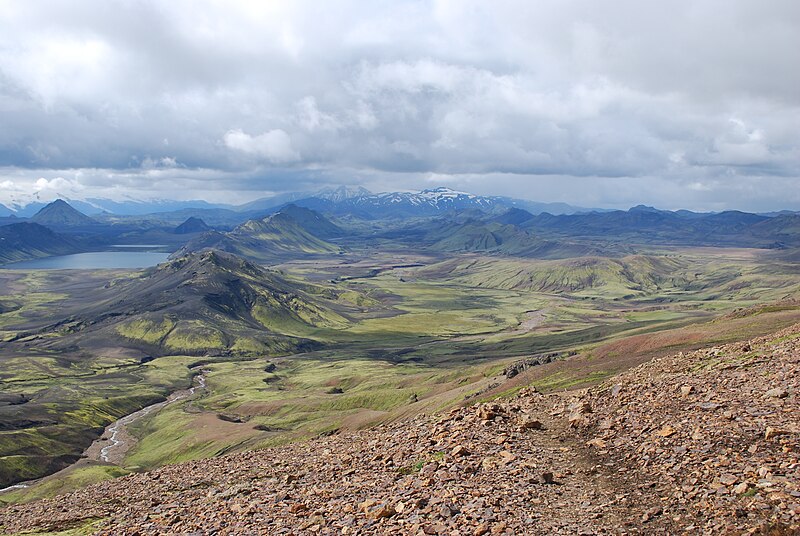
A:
[116, 442]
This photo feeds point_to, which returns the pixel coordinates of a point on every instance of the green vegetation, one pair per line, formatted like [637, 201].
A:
[294, 401]
[147, 330]
[74, 478]
[86, 527]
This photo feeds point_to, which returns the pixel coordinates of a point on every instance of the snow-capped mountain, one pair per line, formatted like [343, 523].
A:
[360, 201]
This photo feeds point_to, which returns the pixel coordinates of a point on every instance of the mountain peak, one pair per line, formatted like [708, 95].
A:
[444, 190]
[644, 208]
[342, 193]
[192, 225]
[61, 213]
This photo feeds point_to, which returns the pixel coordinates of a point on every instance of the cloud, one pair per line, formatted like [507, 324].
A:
[272, 95]
[274, 145]
[58, 184]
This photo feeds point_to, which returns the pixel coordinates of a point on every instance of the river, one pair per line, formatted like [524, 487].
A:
[115, 442]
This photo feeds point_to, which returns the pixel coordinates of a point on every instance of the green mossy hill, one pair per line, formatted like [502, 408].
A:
[217, 302]
[464, 233]
[310, 220]
[293, 231]
[632, 274]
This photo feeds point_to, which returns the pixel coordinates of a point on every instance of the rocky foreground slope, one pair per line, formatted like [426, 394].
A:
[705, 442]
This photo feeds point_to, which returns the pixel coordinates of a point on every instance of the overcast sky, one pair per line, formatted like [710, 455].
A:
[692, 104]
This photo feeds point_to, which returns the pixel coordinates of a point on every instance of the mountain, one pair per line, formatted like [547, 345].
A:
[270, 204]
[27, 210]
[781, 230]
[23, 241]
[625, 276]
[652, 226]
[514, 216]
[361, 202]
[479, 236]
[473, 231]
[311, 221]
[208, 303]
[292, 231]
[396, 204]
[5, 211]
[343, 193]
[498, 239]
[192, 225]
[59, 213]
[536, 207]
[140, 207]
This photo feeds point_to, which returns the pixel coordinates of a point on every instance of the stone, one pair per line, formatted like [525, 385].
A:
[774, 432]
[777, 392]
[381, 511]
[667, 431]
[481, 529]
[529, 423]
[507, 456]
[298, 508]
[459, 450]
[652, 513]
[489, 412]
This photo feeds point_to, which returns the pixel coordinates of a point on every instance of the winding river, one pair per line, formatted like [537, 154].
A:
[115, 442]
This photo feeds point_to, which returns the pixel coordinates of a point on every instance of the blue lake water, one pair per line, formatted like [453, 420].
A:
[93, 261]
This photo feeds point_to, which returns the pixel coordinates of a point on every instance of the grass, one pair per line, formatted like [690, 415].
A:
[72, 479]
[296, 403]
[147, 330]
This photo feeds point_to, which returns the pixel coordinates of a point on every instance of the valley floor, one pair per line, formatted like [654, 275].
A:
[704, 442]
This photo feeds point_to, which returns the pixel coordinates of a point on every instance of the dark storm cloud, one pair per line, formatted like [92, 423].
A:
[692, 103]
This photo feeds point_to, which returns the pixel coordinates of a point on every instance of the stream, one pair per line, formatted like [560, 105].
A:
[115, 442]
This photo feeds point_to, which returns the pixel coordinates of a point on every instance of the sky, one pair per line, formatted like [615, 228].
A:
[680, 104]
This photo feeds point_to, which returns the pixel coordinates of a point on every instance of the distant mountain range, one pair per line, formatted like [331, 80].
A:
[650, 226]
[363, 203]
[439, 220]
[339, 200]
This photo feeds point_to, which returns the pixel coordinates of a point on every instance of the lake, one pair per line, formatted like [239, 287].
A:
[95, 260]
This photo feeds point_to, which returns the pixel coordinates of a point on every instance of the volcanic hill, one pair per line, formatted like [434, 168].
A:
[208, 303]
